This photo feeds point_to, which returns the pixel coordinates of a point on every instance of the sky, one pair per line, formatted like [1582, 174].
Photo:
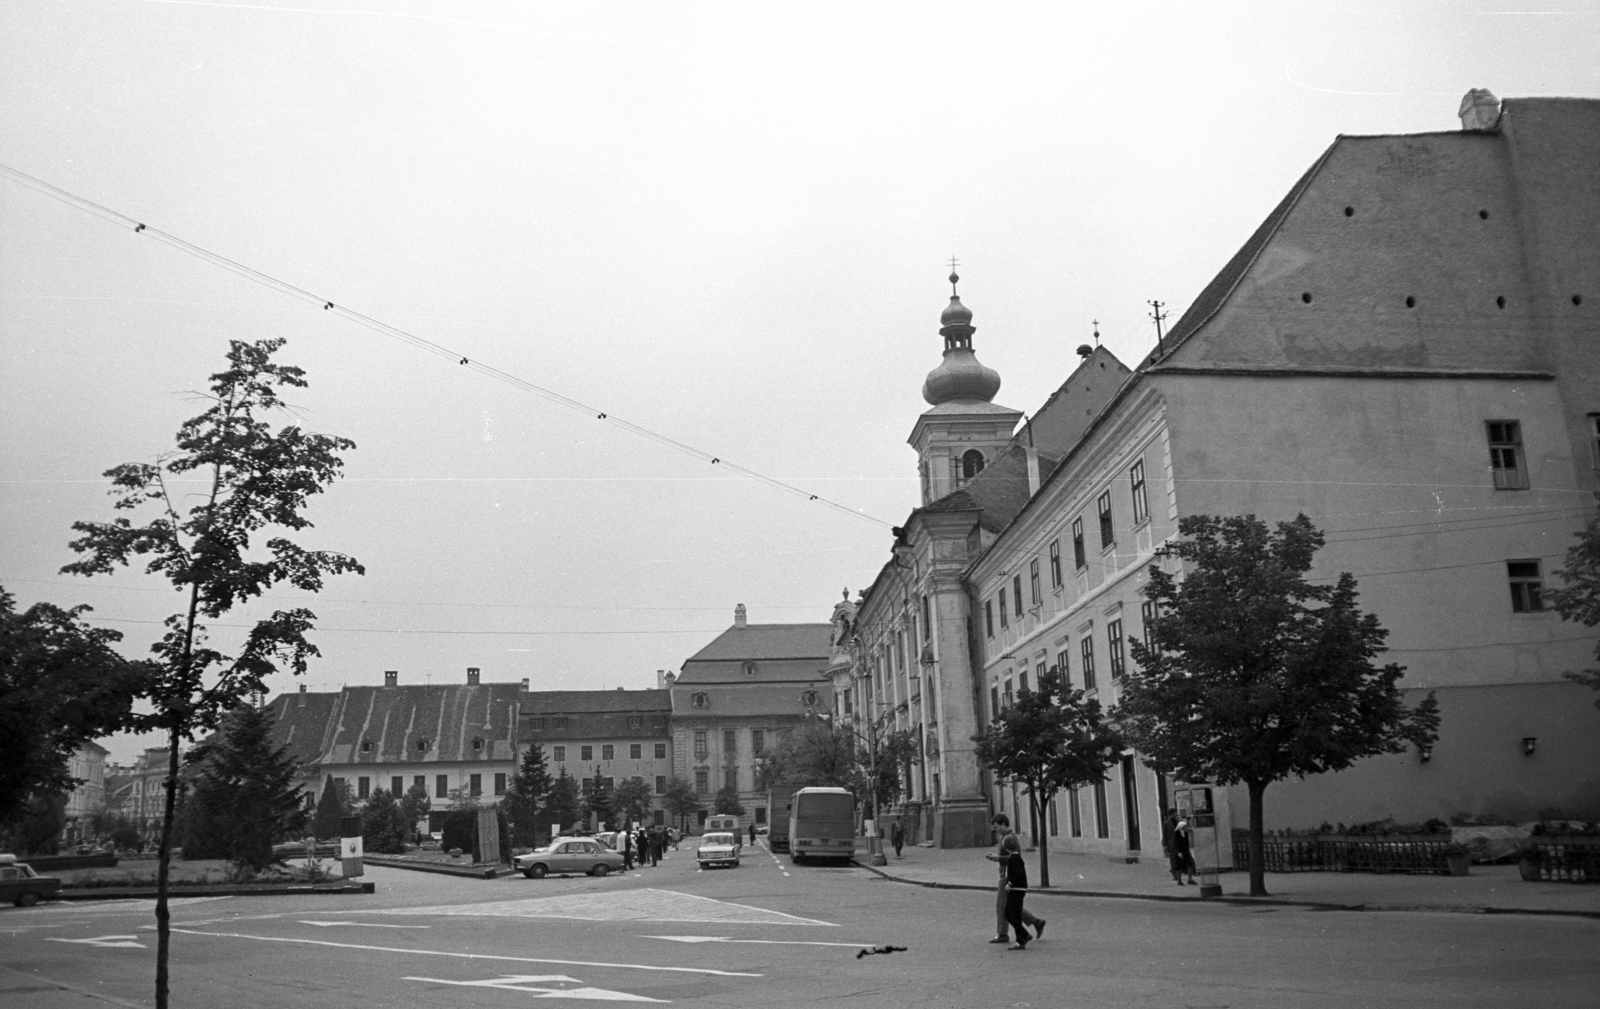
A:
[726, 224]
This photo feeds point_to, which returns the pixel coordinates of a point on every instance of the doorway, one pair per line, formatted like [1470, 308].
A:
[1130, 803]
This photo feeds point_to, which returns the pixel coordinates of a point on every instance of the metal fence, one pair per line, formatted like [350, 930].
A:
[1567, 859]
[1419, 853]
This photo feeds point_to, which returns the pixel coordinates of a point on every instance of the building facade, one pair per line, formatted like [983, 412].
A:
[613, 735]
[733, 697]
[88, 765]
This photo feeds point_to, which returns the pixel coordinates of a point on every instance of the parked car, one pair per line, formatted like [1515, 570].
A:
[567, 855]
[717, 849]
[24, 887]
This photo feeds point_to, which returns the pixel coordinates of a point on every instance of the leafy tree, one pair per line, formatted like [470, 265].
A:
[632, 800]
[124, 835]
[1257, 673]
[727, 801]
[891, 754]
[682, 801]
[61, 685]
[255, 480]
[332, 807]
[246, 788]
[529, 786]
[563, 805]
[597, 801]
[415, 807]
[462, 798]
[1579, 599]
[1051, 738]
[817, 753]
[384, 828]
[36, 828]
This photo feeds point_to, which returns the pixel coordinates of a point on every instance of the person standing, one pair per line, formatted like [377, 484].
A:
[656, 845]
[752, 833]
[1002, 824]
[1182, 857]
[1016, 871]
[897, 836]
[627, 850]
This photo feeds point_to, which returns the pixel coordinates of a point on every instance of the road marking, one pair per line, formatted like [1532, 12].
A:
[765, 942]
[464, 956]
[128, 904]
[626, 905]
[123, 941]
[366, 924]
[524, 982]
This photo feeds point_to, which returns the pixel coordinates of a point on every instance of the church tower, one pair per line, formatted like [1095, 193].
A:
[964, 430]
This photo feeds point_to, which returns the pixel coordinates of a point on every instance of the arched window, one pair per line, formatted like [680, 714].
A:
[971, 464]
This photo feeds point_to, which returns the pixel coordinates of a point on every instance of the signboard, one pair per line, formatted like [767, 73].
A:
[488, 835]
[350, 851]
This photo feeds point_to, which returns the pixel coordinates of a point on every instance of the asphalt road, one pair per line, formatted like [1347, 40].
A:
[771, 934]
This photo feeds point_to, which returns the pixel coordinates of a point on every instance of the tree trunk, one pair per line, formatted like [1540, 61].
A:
[1036, 814]
[1258, 873]
[164, 866]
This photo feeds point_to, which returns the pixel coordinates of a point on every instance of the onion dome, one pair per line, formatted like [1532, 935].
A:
[959, 376]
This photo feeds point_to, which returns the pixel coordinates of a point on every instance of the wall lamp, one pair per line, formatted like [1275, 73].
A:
[1529, 744]
[1425, 752]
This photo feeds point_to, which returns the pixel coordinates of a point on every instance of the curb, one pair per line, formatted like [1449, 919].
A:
[1247, 901]
[243, 890]
[470, 872]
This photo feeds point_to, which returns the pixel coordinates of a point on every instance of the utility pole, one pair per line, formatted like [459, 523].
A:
[1158, 316]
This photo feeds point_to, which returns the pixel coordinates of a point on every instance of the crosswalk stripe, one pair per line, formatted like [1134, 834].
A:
[625, 905]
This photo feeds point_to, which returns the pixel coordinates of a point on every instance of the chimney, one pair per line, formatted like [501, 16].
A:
[738, 616]
[524, 684]
[300, 701]
[1480, 110]
[661, 679]
[671, 679]
[1033, 469]
[472, 676]
[391, 677]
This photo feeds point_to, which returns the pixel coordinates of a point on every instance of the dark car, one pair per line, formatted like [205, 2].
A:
[24, 887]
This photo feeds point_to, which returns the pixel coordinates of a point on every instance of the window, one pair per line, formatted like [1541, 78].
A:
[1016, 593]
[477, 743]
[1055, 564]
[1005, 611]
[971, 464]
[1526, 586]
[988, 618]
[758, 740]
[661, 751]
[422, 746]
[559, 753]
[1055, 828]
[1073, 817]
[420, 781]
[397, 787]
[635, 751]
[1063, 668]
[927, 621]
[609, 784]
[1594, 440]
[700, 700]
[994, 702]
[634, 721]
[441, 786]
[1033, 581]
[730, 741]
[1147, 617]
[700, 785]
[1141, 504]
[366, 746]
[749, 668]
[1022, 682]
[1102, 824]
[1114, 648]
[475, 784]
[700, 747]
[586, 753]
[363, 787]
[608, 752]
[661, 784]
[536, 724]
[1102, 505]
[761, 815]
[658, 816]
[1086, 657]
[1079, 559]
[1505, 455]
[730, 778]
[560, 721]
[1006, 697]
[586, 785]
[499, 783]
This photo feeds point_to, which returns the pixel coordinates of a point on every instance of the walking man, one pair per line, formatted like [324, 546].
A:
[1016, 877]
[1002, 826]
[897, 836]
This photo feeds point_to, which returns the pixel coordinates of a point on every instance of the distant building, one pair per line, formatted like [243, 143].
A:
[137, 791]
[613, 735]
[88, 765]
[733, 697]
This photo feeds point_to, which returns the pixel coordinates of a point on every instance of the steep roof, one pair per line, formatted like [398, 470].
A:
[778, 700]
[301, 722]
[580, 702]
[767, 641]
[997, 494]
[458, 722]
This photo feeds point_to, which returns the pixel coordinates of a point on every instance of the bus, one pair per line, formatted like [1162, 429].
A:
[822, 825]
[778, 801]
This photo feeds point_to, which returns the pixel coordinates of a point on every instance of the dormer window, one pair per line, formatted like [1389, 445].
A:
[366, 746]
[422, 746]
[749, 668]
[635, 721]
[477, 743]
[560, 721]
[700, 700]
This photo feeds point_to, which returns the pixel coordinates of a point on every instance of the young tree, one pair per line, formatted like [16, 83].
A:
[1579, 598]
[632, 800]
[415, 807]
[246, 789]
[61, 685]
[1256, 673]
[383, 827]
[563, 805]
[891, 755]
[332, 807]
[597, 801]
[256, 480]
[727, 801]
[816, 753]
[682, 801]
[1049, 739]
[529, 786]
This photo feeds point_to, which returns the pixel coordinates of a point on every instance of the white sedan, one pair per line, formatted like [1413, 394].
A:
[717, 849]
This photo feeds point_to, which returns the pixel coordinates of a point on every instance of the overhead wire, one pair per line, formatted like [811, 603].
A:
[418, 342]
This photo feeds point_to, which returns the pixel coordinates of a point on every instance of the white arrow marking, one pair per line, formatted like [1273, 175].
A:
[125, 941]
[523, 982]
[368, 924]
[765, 942]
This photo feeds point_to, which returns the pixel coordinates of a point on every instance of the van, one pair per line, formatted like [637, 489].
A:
[722, 821]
